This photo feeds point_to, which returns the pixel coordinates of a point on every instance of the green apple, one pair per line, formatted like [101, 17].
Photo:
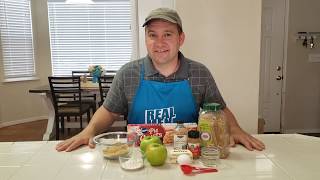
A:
[148, 140]
[156, 154]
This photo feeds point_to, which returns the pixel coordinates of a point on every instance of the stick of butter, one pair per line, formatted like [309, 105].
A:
[173, 155]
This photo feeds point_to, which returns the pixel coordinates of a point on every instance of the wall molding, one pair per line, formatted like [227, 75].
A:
[20, 121]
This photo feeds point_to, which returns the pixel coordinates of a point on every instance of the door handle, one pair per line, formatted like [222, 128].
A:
[279, 78]
[278, 68]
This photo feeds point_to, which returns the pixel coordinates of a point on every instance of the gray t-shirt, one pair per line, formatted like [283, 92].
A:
[126, 82]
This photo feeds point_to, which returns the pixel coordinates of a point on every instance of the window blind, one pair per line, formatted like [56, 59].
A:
[89, 34]
[16, 39]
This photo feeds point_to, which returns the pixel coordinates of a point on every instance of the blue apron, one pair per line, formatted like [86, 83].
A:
[162, 102]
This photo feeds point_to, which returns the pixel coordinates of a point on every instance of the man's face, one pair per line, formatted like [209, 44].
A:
[163, 41]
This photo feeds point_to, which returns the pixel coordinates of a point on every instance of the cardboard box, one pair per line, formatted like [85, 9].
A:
[164, 131]
[142, 130]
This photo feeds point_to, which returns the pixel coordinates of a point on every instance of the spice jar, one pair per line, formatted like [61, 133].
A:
[214, 131]
[180, 136]
[194, 143]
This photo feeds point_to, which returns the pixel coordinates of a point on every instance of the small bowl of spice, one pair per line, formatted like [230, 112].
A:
[114, 144]
[132, 161]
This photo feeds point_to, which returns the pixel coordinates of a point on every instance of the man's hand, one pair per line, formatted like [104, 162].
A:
[75, 142]
[101, 120]
[238, 136]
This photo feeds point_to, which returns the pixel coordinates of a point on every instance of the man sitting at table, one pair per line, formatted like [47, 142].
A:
[163, 79]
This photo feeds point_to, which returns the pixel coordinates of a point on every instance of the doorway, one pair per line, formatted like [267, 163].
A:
[272, 56]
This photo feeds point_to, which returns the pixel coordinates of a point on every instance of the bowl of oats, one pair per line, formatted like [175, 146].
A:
[115, 144]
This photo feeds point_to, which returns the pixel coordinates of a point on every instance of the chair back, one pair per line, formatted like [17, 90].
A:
[104, 86]
[82, 74]
[66, 92]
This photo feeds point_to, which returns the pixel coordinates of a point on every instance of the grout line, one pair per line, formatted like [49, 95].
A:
[278, 165]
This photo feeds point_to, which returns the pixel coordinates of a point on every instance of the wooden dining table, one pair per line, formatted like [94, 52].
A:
[286, 157]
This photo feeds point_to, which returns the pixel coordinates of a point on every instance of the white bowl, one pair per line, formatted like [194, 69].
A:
[132, 161]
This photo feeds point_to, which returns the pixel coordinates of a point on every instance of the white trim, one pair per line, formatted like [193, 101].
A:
[79, 2]
[284, 66]
[20, 121]
[291, 131]
[8, 80]
[135, 30]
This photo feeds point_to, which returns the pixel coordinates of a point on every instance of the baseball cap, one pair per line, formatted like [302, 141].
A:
[165, 14]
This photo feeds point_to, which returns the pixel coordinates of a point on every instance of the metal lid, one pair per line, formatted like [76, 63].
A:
[193, 134]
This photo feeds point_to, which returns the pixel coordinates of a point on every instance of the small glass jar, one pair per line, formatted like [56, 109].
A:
[132, 161]
[194, 143]
[210, 156]
[180, 136]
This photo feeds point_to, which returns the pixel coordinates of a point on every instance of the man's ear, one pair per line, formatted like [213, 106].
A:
[181, 38]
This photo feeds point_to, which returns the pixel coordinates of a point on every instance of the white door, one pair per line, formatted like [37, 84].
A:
[271, 66]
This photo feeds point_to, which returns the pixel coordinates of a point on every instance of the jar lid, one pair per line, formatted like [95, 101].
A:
[212, 106]
[193, 134]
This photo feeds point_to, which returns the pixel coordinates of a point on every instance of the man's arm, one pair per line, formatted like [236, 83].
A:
[101, 120]
[237, 135]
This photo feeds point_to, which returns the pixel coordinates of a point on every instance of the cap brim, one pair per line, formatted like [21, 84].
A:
[166, 18]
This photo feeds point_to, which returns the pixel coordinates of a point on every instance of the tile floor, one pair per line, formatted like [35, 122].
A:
[33, 131]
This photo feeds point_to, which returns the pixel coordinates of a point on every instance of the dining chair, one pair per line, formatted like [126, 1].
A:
[104, 86]
[87, 98]
[105, 82]
[67, 100]
[85, 74]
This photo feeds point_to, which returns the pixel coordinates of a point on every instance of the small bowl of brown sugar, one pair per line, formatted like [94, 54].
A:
[114, 144]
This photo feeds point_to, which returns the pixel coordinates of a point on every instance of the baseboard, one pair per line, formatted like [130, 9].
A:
[20, 121]
[291, 131]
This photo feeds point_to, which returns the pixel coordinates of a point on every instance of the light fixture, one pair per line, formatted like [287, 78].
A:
[79, 1]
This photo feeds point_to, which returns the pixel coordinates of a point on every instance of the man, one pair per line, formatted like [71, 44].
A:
[160, 88]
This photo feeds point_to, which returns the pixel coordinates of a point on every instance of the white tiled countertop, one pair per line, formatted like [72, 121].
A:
[287, 156]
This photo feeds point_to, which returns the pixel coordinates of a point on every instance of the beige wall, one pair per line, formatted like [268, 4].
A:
[144, 7]
[225, 36]
[17, 104]
[302, 97]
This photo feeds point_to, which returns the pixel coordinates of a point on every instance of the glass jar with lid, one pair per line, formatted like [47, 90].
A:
[194, 143]
[180, 136]
[213, 127]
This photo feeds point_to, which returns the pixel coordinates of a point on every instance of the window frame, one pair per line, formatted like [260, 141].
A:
[133, 33]
[33, 72]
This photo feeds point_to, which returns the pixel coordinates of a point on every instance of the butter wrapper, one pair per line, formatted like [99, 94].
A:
[173, 155]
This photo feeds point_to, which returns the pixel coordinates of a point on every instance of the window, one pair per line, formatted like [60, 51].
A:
[16, 47]
[98, 33]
